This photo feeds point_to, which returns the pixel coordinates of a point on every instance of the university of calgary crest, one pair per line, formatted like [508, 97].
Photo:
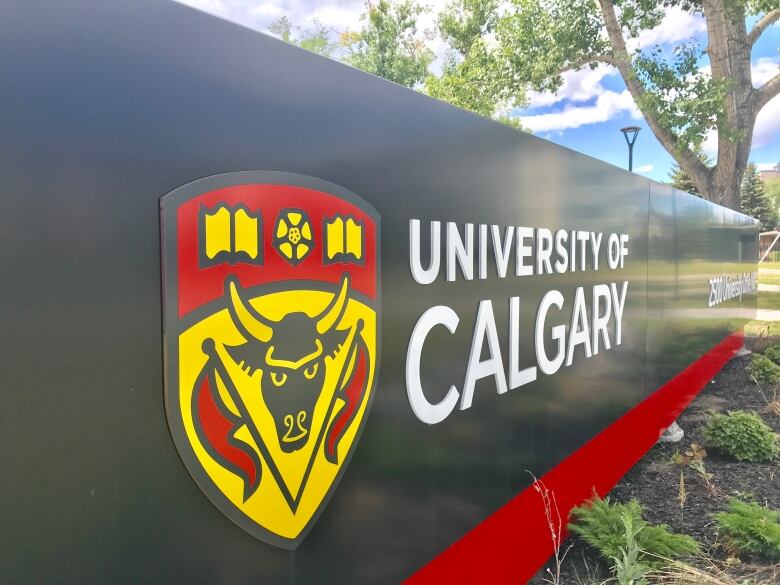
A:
[271, 297]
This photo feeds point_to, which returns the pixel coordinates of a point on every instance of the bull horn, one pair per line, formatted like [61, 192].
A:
[245, 317]
[332, 313]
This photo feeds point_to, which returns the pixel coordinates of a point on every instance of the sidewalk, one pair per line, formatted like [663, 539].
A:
[768, 315]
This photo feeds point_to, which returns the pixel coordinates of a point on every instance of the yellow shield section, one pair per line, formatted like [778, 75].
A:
[305, 474]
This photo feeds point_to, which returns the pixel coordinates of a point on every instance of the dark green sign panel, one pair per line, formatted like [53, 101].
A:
[270, 319]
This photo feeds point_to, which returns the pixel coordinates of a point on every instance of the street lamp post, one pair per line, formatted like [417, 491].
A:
[630, 133]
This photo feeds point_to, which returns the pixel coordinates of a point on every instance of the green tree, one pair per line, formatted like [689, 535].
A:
[469, 78]
[389, 44]
[532, 42]
[753, 199]
[772, 189]
[679, 179]
[315, 38]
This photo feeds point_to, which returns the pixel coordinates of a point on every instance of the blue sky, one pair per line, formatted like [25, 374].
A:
[591, 107]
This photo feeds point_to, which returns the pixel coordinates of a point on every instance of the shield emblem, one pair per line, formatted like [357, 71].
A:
[271, 317]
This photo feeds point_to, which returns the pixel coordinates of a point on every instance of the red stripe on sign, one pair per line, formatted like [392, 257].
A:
[511, 544]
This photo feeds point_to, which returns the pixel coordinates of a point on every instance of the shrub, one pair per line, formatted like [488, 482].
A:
[764, 370]
[628, 569]
[773, 353]
[742, 435]
[747, 527]
[603, 526]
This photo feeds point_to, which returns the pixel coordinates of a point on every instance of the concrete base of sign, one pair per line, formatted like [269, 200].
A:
[742, 351]
[673, 434]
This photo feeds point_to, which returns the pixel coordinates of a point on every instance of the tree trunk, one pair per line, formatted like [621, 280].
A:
[729, 51]
[724, 186]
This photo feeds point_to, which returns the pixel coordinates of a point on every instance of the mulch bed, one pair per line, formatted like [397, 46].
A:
[655, 479]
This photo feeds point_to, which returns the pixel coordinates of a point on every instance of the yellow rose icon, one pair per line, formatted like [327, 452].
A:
[293, 235]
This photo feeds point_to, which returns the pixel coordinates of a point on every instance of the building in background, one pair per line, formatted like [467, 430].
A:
[771, 174]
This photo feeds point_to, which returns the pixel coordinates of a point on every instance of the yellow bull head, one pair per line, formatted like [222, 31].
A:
[290, 355]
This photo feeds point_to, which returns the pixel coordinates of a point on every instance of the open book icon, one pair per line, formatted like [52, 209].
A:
[230, 234]
[343, 240]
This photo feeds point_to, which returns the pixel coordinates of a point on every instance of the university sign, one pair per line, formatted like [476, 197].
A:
[270, 319]
[272, 314]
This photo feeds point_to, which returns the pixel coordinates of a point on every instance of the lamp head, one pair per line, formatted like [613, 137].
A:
[630, 133]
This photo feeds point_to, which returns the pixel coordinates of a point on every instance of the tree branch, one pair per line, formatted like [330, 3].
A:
[691, 163]
[767, 91]
[766, 21]
[574, 66]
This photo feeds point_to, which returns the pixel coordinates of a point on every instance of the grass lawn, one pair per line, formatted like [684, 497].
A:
[762, 328]
[768, 300]
[770, 265]
[768, 278]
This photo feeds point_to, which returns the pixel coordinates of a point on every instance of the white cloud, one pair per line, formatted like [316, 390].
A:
[608, 105]
[210, 6]
[258, 14]
[710, 144]
[266, 10]
[676, 26]
[336, 17]
[644, 169]
[578, 86]
[765, 166]
[767, 128]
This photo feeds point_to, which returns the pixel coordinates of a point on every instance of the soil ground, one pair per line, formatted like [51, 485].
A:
[655, 479]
